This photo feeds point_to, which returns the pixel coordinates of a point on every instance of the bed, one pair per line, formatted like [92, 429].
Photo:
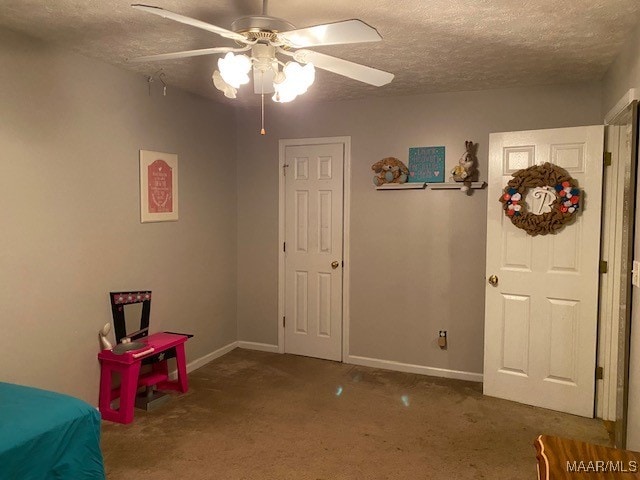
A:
[48, 436]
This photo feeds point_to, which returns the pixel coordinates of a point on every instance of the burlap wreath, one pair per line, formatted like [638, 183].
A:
[563, 208]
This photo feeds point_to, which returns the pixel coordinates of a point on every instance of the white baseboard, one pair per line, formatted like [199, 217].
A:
[200, 362]
[263, 347]
[409, 368]
[351, 359]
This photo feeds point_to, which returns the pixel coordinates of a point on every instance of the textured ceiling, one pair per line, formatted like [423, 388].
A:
[430, 45]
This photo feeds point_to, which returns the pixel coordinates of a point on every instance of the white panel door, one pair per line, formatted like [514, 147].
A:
[313, 254]
[541, 317]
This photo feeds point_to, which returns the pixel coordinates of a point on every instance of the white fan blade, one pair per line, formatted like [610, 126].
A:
[185, 54]
[362, 73]
[348, 31]
[190, 21]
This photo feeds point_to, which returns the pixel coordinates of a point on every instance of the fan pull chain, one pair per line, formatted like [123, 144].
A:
[262, 130]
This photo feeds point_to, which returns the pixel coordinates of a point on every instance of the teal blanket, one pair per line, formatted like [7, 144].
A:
[48, 436]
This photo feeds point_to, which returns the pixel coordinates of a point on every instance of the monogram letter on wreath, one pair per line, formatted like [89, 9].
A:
[555, 199]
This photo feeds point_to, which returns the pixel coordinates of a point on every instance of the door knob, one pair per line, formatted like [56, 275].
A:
[493, 280]
[335, 264]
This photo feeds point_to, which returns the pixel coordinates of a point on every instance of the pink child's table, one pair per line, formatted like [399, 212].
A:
[128, 365]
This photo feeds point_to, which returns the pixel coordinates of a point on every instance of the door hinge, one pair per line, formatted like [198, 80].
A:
[284, 169]
[284, 321]
[603, 266]
[607, 159]
[284, 246]
[599, 373]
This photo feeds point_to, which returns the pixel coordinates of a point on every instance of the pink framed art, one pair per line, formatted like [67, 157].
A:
[158, 186]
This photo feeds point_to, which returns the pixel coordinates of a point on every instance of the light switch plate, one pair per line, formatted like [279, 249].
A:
[635, 274]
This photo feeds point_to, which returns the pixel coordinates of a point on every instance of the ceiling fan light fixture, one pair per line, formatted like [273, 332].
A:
[294, 80]
[283, 95]
[267, 36]
[234, 69]
[223, 86]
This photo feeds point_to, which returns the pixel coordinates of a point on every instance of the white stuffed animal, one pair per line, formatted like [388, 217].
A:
[467, 169]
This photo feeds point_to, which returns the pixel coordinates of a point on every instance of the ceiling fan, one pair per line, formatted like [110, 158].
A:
[266, 37]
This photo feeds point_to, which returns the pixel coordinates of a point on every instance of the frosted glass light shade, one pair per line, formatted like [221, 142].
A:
[223, 86]
[234, 69]
[294, 80]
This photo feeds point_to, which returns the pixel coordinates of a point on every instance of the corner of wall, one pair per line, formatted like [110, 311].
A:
[623, 73]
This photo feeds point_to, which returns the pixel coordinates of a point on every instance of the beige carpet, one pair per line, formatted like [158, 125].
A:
[255, 415]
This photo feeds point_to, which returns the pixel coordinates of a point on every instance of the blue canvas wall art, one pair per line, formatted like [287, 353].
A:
[426, 164]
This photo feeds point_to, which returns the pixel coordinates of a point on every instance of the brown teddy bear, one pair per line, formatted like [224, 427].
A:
[389, 170]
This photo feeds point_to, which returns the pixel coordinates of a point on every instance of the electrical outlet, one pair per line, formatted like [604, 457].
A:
[442, 339]
[635, 274]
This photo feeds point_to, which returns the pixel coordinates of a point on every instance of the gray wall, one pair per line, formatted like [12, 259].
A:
[417, 257]
[623, 75]
[70, 131]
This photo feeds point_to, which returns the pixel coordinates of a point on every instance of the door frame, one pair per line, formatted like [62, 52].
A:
[617, 250]
[346, 222]
[611, 284]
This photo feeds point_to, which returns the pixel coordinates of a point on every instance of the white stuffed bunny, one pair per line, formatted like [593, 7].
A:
[467, 169]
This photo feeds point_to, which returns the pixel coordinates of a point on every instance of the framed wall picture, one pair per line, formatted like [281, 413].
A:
[158, 186]
[426, 164]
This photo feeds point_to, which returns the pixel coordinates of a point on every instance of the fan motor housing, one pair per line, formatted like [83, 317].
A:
[261, 27]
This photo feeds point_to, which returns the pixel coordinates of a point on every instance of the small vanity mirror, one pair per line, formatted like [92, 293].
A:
[131, 312]
[132, 317]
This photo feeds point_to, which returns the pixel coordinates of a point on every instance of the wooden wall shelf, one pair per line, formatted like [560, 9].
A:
[402, 186]
[431, 186]
[455, 185]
